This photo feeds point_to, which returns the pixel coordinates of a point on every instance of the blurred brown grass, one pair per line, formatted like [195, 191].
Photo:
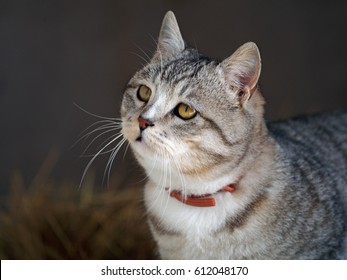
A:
[46, 220]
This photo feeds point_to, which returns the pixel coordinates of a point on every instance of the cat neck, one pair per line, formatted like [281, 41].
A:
[255, 168]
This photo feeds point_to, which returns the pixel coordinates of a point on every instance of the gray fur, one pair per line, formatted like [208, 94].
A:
[290, 176]
[313, 153]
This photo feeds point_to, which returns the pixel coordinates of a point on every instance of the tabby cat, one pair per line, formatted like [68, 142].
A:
[222, 183]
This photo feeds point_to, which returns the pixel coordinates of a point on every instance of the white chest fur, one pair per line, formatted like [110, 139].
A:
[188, 232]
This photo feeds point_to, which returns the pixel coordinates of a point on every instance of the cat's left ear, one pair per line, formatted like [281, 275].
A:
[242, 69]
[170, 40]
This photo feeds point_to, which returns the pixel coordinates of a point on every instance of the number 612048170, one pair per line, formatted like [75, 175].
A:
[237, 270]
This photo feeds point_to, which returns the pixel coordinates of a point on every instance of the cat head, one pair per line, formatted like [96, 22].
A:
[189, 114]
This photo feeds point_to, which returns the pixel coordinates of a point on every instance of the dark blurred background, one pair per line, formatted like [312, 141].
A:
[57, 53]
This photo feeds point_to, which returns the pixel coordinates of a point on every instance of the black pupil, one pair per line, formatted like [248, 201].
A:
[146, 93]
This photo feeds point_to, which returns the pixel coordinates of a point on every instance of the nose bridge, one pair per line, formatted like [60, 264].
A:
[161, 103]
[149, 113]
[156, 110]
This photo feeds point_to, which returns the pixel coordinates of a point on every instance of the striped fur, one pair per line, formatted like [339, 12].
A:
[290, 200]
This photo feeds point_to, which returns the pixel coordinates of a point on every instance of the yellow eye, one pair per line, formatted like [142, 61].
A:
[185, 112]
[144, 93]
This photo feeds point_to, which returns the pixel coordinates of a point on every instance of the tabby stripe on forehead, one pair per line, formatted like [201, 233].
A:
[184, 89]
[181, 78]
[177, 70]
[188, 76]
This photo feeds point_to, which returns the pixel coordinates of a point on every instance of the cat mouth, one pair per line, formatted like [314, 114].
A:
[143, 143]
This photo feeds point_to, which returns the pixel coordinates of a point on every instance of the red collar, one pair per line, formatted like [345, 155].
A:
[206, 200]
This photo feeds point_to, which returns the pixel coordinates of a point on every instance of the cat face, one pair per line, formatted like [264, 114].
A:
[189, 110]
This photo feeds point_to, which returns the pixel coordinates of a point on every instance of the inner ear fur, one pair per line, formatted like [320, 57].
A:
[170, 41]
[242, 69]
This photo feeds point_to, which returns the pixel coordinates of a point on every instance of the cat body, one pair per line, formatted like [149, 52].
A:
[196, 126]
[273, 217]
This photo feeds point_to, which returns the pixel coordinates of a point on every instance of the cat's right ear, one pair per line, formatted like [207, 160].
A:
[242, 69]
[170, 40]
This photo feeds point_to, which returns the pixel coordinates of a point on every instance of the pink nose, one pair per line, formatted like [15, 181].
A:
[143, 123]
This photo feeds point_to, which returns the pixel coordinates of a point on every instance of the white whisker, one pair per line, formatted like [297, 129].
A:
[93, 159]
[126, 149]
[170, 182]
[98, 129]
[95, 115]
[159, 187]
[163, 187]
[148, 58]
[98, 136]
[118, 135]
[111, 159]
[84, 134]
[152, 168]
[110, 137]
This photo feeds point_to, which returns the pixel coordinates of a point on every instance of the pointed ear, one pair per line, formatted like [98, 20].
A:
[170, 40]
[242, 69]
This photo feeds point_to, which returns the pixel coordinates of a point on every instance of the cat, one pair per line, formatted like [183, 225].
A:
[223, 183]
